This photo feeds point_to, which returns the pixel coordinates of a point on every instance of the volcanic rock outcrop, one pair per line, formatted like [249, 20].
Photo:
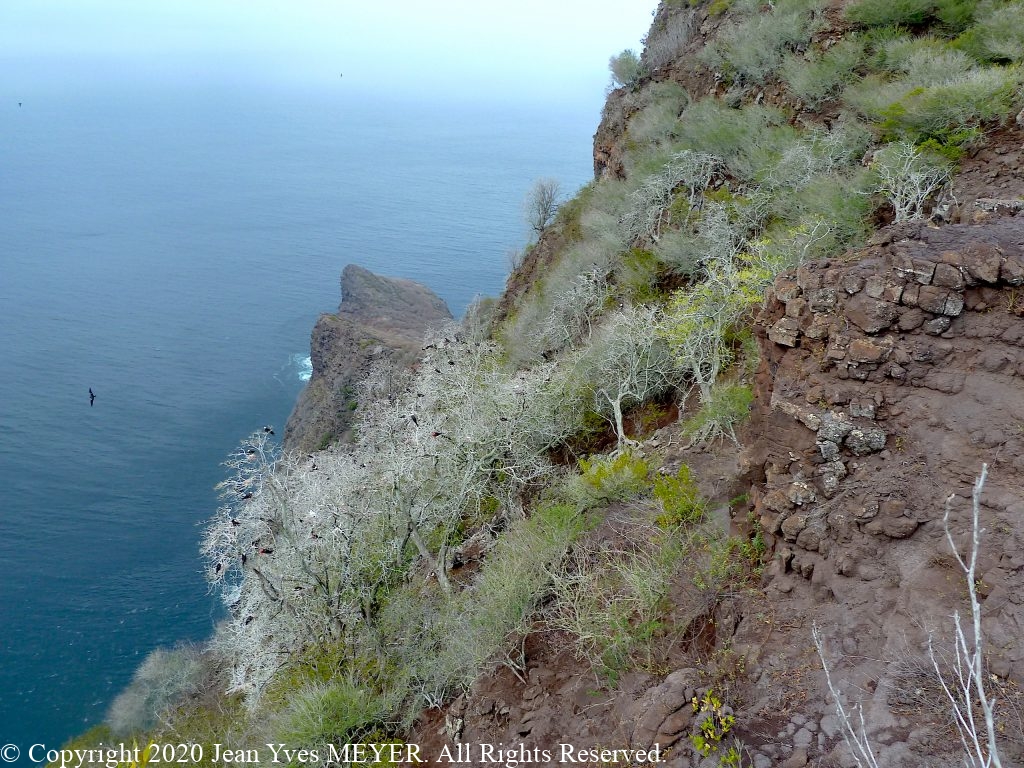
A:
[380, 320]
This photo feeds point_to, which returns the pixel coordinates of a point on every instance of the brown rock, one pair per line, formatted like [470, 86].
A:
[785, 332]
[910, 319]
[864, 351]
[948, 276]
[870, 315]
[982, 261]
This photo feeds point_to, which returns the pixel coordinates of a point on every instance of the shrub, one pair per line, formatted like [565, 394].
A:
[441, 645]
[728, 405]
[614, 478]
[161, 681]
[612, 600]
[679, 498]
[998, 35]
[337, 711]
[917, 113]
[824, 75]
[908, 177]
[924, 61]
[666, 42]
[881, 13]
[658, 120]
[979, 96]
[626, 69]
[951, 16]
[753, 49]
[748, 140]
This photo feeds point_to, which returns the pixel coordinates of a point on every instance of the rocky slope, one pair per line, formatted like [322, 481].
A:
[889, 376]
[381, 320]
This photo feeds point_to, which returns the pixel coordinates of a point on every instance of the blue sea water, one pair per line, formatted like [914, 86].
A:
[171, 248]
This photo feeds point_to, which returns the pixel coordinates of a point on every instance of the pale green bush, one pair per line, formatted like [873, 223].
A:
[161, 681]
[749, 140]
[998, 35]
[626, 69]
[884, 13]
[752, 50]
[659, 119]
[666, 42]
[823, 76]
[337, 711]
[612, 601]
[979, 96]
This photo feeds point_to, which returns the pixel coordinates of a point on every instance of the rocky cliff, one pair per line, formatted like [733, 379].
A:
[381, 320]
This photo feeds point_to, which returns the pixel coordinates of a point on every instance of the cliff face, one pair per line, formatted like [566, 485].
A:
[381, 320]
[889, 378]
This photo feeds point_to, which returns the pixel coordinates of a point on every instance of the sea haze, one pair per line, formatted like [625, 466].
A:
[171, 247]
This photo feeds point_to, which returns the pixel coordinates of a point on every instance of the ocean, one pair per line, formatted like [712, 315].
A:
[170, 247]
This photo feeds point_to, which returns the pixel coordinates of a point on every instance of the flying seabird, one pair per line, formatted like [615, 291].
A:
[92, 396]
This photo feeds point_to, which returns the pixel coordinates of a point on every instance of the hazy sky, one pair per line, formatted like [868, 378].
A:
[547, 47]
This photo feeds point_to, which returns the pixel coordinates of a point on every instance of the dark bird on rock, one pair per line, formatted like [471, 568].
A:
[266, 551]
[268, 430]
[412, 418]
[247, 496]
[218, 568]
[248, 620]
[234, 521]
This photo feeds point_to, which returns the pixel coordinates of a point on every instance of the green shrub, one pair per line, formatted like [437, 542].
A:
[338, 711]
[626, 69]
[615, 478]
[658, 120]
[728, 405]
[613, 601]
[679, 498]
[998, 35]
[749, 140]
[980, 96]
[923, 61]
[824, 75]
[753, 49]
[637, 276]
[880, 13]
[438, 646]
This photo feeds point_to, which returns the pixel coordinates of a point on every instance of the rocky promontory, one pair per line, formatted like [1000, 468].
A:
[380, 319]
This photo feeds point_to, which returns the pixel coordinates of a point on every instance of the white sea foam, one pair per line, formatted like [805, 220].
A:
[303, 366]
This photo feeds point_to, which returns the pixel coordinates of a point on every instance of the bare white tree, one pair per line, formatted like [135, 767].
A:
[964, 682]
[542, 203]
[629, 363]
[689, 170]
[574, 311]
[907, 178]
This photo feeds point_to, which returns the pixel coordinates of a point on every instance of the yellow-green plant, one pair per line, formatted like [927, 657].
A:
[679, 498]
[614, 478]
[714, 721]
